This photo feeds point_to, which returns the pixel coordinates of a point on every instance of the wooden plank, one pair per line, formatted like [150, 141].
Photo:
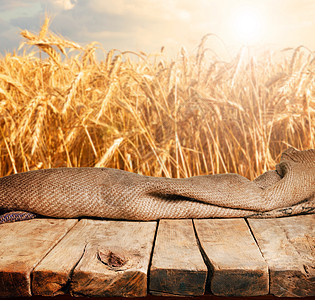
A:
[52, 276]
[288, 245]
[236, 264]
[23, 245]
[98, 258]
[116, 260]
[177, 265]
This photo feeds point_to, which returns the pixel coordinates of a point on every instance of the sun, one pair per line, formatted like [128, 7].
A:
[247, 25]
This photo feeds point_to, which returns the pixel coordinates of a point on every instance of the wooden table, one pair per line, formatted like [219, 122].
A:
[224, 257]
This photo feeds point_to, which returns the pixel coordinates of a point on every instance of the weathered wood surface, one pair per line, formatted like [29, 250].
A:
[236, 264]
[98, 258]
[52, 276]
[115, 261]
[177, 265]
[288, 245]
[111, 258]
[23, 245]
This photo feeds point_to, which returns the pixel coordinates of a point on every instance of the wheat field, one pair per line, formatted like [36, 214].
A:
[60, 106]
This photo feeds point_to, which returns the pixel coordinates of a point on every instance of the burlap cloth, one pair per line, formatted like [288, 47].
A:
[116, 194]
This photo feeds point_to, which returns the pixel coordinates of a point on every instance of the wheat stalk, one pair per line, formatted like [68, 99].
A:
[109, 153]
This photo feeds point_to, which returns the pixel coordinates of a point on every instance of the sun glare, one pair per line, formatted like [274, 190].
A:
[247, 25]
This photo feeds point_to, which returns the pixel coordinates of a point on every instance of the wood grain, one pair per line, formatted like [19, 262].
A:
[236, 264]
[288, 245]
[115, 261]
[23, 245]
[52, 275]
[177, 264]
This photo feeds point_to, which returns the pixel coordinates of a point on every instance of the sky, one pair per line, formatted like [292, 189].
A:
[147, 25]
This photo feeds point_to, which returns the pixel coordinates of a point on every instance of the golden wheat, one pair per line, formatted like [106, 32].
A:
[151, 114]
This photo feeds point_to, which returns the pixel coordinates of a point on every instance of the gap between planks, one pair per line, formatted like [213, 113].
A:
[235, 263]
[23, 246]
[177, 266]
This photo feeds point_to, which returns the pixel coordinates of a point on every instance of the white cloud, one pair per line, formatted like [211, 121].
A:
[57, 6]
[64, 4]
